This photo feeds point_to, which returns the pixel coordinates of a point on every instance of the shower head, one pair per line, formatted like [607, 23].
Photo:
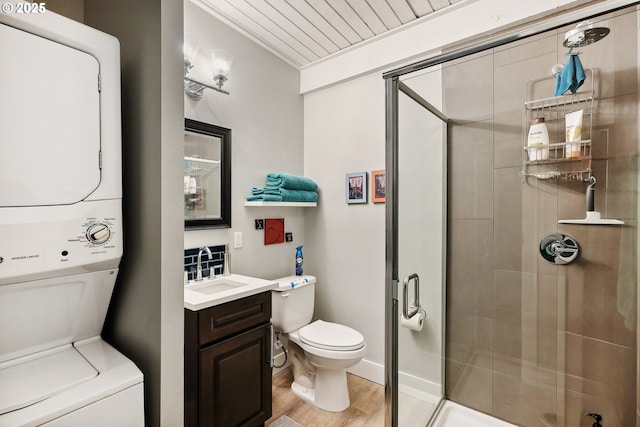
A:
[584, 34]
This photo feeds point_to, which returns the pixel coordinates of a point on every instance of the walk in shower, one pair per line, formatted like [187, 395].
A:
[527, 341]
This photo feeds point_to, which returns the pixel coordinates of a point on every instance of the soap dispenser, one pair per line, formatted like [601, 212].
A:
[227, 268]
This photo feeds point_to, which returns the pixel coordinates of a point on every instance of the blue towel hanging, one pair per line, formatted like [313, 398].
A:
[571, 77]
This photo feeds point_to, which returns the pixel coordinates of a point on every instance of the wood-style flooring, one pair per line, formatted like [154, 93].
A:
[366, 409]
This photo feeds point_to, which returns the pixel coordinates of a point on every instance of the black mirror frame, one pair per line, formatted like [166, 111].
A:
[225, 174]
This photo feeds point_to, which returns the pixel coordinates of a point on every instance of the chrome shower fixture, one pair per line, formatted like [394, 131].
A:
[559, 249]
[584, 34]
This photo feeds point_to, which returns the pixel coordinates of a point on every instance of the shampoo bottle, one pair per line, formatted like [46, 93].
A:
[538, 138]
[573, 129]
[299, 261]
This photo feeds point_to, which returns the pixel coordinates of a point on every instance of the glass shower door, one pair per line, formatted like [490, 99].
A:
[416, 236]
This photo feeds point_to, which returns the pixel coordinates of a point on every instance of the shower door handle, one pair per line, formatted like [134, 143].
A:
[409, 311]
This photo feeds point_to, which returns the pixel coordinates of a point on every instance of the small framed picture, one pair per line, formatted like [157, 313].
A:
[356, 187]
[378, 186]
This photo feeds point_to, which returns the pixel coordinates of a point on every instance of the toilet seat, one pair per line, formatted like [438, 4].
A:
[331, 336]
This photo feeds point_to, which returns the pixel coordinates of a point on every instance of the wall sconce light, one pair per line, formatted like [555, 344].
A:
[220, 65]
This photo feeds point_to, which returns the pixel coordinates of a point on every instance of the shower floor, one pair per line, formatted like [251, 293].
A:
[453, 415]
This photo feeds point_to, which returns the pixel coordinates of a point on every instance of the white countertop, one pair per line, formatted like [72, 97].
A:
[244, 286]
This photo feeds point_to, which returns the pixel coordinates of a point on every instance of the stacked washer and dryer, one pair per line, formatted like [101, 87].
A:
[60, 226]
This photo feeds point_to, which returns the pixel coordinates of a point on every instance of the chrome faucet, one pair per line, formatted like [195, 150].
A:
[199, 268]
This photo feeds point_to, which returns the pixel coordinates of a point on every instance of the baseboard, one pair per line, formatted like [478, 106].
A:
[409, 384]
[419, 388]
[372, 371]
[368, 370]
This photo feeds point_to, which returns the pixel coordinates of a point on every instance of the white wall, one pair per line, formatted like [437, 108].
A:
[264, 112]
[344, 248]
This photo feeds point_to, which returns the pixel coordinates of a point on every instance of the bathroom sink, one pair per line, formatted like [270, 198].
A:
[213, 286]
[222, 289]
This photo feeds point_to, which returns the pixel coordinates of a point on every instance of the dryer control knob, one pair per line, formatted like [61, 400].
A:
[98, 233]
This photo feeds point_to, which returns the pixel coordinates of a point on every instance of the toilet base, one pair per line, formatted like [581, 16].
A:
[330, 392]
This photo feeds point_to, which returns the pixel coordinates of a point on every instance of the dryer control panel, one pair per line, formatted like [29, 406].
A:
[59, 240]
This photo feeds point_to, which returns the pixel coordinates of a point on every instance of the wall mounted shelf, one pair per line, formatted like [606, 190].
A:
[288, 204]
[555, 162]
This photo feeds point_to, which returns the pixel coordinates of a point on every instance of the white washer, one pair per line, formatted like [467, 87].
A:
[60, 226]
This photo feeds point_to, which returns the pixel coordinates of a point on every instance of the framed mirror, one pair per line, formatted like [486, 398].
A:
[207, 175]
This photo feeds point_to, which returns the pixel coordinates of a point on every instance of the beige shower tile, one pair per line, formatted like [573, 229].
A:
[526, 49]
[571, 199]
[460, 332]
[616, 57]
[621, 196]
[470, 278]
[484, 333]
[613, 382]
[508, 139]
[471, 155]
[615, 124]
[507, 209]
[473, 387]
[468, 89]
[508, 333]
[596, 290]
[512, 82]
[547, 321]
[539, 219]
[509, 248]
[508, 290]
[521, 402]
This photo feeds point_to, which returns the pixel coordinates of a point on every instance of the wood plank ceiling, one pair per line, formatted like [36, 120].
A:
[304, 31]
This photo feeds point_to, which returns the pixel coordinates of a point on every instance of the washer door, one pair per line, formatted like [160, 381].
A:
[50, 121]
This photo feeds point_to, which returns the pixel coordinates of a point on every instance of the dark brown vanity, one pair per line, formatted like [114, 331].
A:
[227, 363]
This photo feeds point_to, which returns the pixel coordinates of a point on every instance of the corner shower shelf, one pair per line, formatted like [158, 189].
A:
[289, 204]
[556, 164]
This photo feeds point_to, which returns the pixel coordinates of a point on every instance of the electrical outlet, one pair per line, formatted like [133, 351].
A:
[288, 237]
[237, 239]
[259, 224]
[277, 345]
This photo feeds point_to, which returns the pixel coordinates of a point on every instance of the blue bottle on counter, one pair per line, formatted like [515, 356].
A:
[299, 261]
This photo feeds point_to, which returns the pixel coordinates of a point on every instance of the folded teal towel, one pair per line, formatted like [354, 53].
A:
[292, 182]
[282, 195]
[298, 195]
[265, 190]
[265, 198]
[571, 77]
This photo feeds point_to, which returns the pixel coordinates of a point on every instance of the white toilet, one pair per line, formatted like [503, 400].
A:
[320, 351]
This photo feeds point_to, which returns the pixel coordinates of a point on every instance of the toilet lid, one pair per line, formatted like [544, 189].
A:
[331, 336]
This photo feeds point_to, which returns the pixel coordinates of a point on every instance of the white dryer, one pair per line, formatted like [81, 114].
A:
[60, 226]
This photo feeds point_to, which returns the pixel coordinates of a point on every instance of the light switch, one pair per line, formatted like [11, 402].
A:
[237, 239]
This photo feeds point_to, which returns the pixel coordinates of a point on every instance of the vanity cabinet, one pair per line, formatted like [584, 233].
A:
[227, 363]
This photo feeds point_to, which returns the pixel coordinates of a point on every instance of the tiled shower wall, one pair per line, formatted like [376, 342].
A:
[528, 341]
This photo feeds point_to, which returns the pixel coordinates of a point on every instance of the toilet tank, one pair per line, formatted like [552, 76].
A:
[292, 302]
